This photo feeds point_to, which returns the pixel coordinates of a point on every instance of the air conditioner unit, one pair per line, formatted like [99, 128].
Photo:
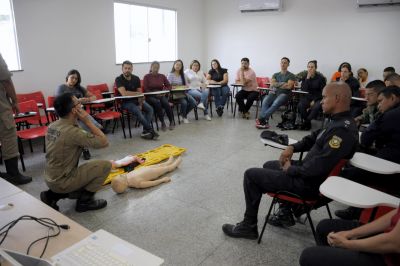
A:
[372, 3]
[259, 5]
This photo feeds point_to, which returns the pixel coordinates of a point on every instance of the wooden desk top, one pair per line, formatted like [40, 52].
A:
[24, 232]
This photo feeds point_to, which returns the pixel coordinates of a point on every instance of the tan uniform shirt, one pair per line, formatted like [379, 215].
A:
[64, 144]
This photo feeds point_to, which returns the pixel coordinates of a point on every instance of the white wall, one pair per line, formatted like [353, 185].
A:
[58, 35]
[330, 31]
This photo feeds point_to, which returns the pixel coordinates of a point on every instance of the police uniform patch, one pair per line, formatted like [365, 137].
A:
[334, 142]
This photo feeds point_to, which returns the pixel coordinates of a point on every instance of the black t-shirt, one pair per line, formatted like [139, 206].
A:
[217, 76]
[130, 85]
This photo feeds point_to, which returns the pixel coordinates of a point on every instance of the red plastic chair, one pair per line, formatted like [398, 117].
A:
[98, 87]
[32, 132]
[51, 116]
[307, 204]
[38, 97]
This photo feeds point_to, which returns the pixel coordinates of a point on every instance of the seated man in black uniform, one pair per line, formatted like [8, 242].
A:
[384, 132]
[327, 146]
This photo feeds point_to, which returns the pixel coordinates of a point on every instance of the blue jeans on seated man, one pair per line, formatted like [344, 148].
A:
[201, 96]
[270, 104]
[144, 119]
[84, 127]
[220, 95]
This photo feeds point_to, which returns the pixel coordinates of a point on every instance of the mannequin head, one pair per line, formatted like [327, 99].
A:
[119, 183]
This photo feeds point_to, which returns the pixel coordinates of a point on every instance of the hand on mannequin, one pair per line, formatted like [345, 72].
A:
[126, 161]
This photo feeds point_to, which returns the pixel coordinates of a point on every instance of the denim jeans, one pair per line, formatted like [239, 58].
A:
[201, 96]
[187, 104]
[144, 119]
[271, 103]
[84, 127]
[220, 95]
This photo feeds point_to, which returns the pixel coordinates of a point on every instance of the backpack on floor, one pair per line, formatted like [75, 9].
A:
[288, 121]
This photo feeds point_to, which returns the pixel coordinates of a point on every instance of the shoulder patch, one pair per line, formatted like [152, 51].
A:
[334, 142]
[346, 123]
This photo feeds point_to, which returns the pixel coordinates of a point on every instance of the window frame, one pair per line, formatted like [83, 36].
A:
[14, 27]
[146, 6]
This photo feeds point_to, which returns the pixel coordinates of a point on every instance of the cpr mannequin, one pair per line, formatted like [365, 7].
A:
[146, 176]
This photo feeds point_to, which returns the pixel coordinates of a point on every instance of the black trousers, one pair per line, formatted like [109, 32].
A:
[250, 97]
[304, 104]
[323, 254]
[160, 103]
[386, 183]
[270, 178]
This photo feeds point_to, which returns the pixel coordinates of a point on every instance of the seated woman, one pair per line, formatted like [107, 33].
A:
[178, 79]
[362, 76]
[342, 242]
[198, 87]
[218, 76]
[155, 81]
[309, 104]
[336, 75]
[73, 85]
[146, 176]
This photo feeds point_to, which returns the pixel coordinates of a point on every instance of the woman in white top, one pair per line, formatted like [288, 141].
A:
[198, 87]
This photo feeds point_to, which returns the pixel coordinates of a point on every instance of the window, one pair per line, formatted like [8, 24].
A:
[144, 34]
[8, 36]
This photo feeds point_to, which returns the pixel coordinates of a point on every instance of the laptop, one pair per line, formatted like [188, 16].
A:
[99, 248]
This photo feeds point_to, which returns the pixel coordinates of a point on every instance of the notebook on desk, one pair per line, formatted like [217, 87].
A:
[100, 248]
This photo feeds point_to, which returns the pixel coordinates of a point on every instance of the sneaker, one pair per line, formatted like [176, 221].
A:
[50, 202]
[241, 230]
[201, 106]
[207, 117]
[351, 213]
[155, 135]
[258, 121]
[283, 217]
[247, 115]
[185, 121]
[90, 205]
[146, 135]
[262, 126]
[163, 127]
[86, 154]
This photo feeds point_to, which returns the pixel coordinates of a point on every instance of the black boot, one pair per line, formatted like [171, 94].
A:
[50, 198]
[241, 230]
[86, 202]
[13, 175]
[86, 154]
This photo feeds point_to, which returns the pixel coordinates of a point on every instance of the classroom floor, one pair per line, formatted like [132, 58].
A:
[181, 221]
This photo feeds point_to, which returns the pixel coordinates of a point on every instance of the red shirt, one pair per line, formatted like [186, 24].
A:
[155, 82]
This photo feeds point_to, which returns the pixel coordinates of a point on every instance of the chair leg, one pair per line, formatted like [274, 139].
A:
[21, 152]
[211, 112]
[196, 115]
[329, 211]
[311, 225]
[129, 125]
[115, 124]
[30, 145]
[44, 144]
[123, 125]
[234, 110]
[258, 104]
[177, 111]
[274, 201]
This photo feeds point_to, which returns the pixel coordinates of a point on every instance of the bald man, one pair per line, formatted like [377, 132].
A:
[326, 147]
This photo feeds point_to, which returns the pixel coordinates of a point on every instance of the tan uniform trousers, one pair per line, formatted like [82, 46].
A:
[8, 135]
[89, 176]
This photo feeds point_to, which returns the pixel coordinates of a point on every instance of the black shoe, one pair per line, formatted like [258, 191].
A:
[13, 175]
[351, 213]
[155, 135]
[284, 217]
[220, 111]
[91, 205]
[241, 230]
[86, 154]
[50, 202]
[146, 135]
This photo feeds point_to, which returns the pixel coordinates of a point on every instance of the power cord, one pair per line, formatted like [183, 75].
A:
[47, 222]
